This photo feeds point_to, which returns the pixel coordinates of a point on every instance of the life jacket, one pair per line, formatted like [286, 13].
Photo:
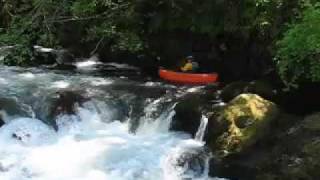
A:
[195, 66]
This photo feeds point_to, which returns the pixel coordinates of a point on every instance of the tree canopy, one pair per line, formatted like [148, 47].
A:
[127, 25]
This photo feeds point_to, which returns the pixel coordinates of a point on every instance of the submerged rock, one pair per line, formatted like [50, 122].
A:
[193, 160]
[188, 161]
[27, 131]
[66, 103]
[11, 107]
[246, 119]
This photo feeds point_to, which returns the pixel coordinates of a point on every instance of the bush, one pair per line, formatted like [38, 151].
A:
[298, 53]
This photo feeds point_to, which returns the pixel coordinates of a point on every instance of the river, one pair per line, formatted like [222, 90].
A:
[120, 131]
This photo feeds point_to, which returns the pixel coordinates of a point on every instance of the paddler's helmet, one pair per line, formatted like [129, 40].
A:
[189, 58]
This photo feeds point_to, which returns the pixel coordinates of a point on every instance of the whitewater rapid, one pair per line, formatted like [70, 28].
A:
[94, 143]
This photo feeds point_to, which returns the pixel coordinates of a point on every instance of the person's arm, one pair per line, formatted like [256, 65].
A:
[186, 67]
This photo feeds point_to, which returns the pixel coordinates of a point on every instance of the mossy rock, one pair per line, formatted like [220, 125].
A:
[293, 154]
[249, 118]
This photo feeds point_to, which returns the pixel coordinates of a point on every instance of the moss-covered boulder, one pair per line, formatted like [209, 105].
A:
[276, 146]
[246, 119]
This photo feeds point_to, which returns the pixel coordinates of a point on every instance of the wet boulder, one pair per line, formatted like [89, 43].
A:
[296, 154]
[189, 161]
[232, 90]
[241, 123]
[64, 67]
[188, 115]
[1, 120]
[64, 57]
[11, 107]
[66, 102]
[264, 89]
[259, 87]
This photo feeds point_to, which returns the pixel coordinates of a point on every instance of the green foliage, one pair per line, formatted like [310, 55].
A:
[112, 22]
[127, 25]
[29, 25]
[298, 54]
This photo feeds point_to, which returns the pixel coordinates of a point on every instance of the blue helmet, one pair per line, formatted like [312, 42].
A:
[189, 57]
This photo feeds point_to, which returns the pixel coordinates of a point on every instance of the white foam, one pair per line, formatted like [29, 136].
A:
[122, 66]
[90, 145]
[26, 131]
[60, 84]
[43, 49]
[100, 82]
[202, 129]
[85, 148]
[88, 63]
[27, 75]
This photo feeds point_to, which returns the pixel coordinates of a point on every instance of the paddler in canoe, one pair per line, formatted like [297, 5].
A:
[188, 74]
[190, 66]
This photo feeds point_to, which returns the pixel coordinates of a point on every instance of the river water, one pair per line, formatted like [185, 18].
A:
[121, 131]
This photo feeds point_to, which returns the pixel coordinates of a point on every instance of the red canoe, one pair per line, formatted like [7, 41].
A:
[188, 78]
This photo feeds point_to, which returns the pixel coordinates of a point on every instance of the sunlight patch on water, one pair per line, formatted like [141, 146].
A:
[86, 64]
[27, 75]
[3, 81]
[43, 49]
[101, 81]
[60, 84]
[195, 89]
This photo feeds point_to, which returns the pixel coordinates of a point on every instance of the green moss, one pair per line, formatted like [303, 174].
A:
[249, 118]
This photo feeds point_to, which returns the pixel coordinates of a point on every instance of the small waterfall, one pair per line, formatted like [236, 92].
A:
[202, 128]
[95, 142]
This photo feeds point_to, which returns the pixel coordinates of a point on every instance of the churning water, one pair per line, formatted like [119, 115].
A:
[121, 132]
